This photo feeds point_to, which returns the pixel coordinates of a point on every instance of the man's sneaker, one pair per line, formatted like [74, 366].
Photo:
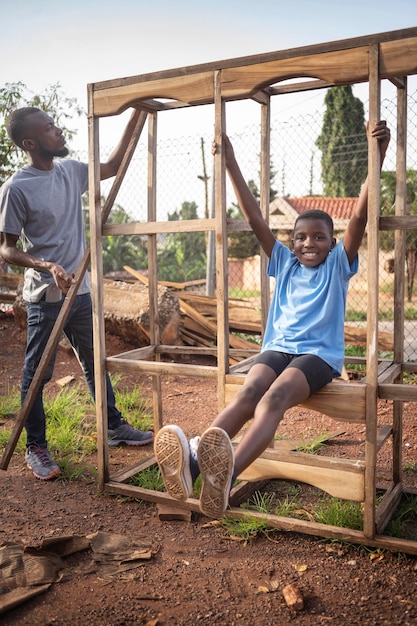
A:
[172, 453]
[39, 461]
[125, 433]
[216, 461]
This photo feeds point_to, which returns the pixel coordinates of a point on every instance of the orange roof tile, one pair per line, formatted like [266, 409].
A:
[337, 208]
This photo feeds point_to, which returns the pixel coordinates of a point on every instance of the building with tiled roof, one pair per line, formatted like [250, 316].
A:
[284, 211]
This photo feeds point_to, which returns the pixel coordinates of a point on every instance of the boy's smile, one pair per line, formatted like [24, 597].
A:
[312, 241]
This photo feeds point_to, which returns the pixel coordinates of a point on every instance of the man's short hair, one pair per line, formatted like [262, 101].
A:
[17, 124]
[316, 214]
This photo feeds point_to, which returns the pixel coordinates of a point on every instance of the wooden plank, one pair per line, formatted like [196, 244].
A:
[397, 391]
[190, 89]
[7, 298]
[114, 364]
[337, 63]
[152, 227]
[383, 433]
[387, 507]
[336, 66]
[11, 280]
[145, 353]
[390, 373]
[328, 46]
[149, 495]
[340, 480]
[397, 222]
[124, 475]
[374, 171]
[289, 524]
[328, 531]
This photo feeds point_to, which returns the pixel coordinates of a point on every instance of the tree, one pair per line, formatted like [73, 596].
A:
[184, 255]
[118, 250]
[388, 183]
[343, 143]
[52, 101]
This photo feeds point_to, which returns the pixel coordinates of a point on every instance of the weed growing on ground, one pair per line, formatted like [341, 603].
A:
[336, 512]
[71, 424]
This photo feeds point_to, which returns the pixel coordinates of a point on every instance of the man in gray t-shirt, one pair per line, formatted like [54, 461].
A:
[41, 205]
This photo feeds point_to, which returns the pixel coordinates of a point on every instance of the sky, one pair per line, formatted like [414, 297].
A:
[76, 42]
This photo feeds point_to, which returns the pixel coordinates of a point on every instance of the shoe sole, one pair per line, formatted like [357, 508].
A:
[172, 454]
[216, 462]
[129, 442]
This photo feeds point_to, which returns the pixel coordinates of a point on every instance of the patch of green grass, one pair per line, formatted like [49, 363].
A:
[262, 502]
[410, 378]
[315, 445]
[352, 315]
[9, 409]
[149, 478]
[242, 294]
[247, 528]
[410, 466]
[71, 425]
[336, 512]
[70, 417]
[10, 403]
[405, 513]
[410, 313]
[134, 407]
[384, 315]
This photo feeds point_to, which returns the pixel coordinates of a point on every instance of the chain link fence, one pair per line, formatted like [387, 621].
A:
[185, 191]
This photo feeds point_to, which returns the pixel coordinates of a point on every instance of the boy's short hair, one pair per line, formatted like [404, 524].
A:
[16, 124]
[316, 214]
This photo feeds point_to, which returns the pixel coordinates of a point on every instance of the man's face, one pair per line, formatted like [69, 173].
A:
[47, 138]
[312, 241]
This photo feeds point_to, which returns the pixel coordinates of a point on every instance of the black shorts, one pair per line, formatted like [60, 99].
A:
[317, 371]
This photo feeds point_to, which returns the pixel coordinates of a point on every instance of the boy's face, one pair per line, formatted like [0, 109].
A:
[312, 241]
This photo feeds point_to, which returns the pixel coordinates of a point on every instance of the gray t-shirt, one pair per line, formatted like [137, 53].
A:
[44, 208]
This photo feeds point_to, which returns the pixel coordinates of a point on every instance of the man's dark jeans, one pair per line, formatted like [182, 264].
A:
[79, 330]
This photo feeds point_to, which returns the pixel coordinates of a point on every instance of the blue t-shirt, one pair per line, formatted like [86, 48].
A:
[307, 312]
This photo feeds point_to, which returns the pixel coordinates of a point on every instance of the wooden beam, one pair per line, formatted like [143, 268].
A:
[340, 62]
[338, 477]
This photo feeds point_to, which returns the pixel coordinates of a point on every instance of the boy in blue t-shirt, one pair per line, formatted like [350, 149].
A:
[302, 349]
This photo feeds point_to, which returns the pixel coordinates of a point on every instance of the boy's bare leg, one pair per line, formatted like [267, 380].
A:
[289, 389]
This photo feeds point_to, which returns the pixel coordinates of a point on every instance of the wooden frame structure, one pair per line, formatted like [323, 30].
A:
[388, 56]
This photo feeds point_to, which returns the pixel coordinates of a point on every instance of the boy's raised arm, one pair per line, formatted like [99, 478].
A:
[247, 201]
[356, 227]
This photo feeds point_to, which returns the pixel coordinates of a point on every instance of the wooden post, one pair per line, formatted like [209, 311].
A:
[373, 294]
[153, 267]
[399, 270]
[264, 201]
[221, 243]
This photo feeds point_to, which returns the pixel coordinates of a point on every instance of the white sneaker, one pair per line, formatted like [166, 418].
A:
[173, 456]
[216, 461]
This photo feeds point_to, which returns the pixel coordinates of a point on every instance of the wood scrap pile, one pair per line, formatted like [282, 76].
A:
[199, 317]
[9, 284]
[199, 320]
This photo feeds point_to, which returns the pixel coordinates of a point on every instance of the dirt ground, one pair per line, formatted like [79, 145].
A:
[197, 574]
